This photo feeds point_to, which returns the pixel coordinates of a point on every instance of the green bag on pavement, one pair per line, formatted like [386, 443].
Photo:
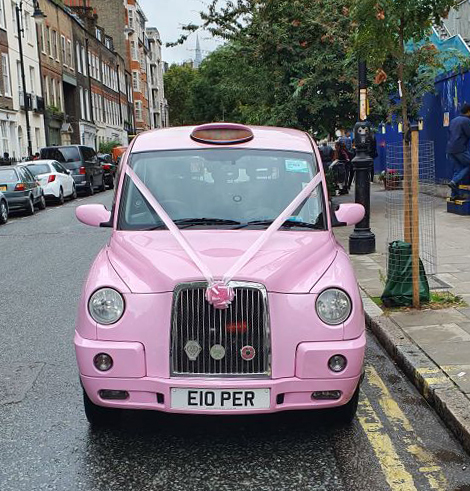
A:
[399, 288]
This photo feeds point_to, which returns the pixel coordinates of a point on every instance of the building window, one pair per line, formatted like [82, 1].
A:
[45, 82]
[54, 53]
[82, 103]
[32, 79]
[134, 50]
[63, 50]
[78, 56]
[135, 81]
[87, 104]
[41, 38]
[69, 54]
[84, 63]
[48, 39]
[4, 133]
[2, 14]
[108, 43]
[51, 92]
[138, 110]
[37, 133]
[6, 75]
[98, 34]
[27, 26]
[130, 14]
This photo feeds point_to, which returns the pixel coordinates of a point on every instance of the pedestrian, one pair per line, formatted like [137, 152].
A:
[36, 156]
[341, 160]
[457, 149]
[348, 143]
[326, 154]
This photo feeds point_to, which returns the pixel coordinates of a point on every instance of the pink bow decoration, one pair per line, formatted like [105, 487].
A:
[220, 296]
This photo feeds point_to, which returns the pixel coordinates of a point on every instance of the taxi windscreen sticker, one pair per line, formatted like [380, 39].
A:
[297, 166]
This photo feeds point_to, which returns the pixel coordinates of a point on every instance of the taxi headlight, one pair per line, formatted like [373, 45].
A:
[106, 306]
[333, 306]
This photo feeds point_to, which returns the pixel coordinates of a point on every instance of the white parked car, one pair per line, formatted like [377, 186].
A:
[56, 181]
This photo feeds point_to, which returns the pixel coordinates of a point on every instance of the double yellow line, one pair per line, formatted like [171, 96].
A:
[396, 475]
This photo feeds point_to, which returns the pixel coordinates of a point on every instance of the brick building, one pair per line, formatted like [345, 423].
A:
[58, 71]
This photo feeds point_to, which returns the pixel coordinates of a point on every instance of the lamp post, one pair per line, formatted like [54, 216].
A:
[38, 17]
[362, 240]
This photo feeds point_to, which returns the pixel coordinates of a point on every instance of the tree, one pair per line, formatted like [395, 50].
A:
[389, 36]
[179, 82]
[288, 60]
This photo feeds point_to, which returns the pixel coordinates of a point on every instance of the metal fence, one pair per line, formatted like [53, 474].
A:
[410, 208]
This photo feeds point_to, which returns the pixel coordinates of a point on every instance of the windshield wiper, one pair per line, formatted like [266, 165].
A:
[192, 222]
[286, 224]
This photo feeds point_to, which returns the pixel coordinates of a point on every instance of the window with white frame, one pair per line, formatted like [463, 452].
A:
[63, 50]
[87, 104]
[82, 103]
[2, 14]
[4, 127]
[32, 80]
[84, 63]
[51, 91]
[79, 57]
[27, 26]
[6, 75]
[138, 110]
[130, 15]
[41, 38]
[134, 54]
[98, 34]
[69, 54]
[45, 83]
[135, 81]
[48, 40]
[54, 52]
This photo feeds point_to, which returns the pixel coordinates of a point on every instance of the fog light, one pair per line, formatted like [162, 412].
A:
[337, 363]
[327, 395]
[114, 395]
[103, 362]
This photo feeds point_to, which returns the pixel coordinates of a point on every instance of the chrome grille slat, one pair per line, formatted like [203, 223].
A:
[194, 319]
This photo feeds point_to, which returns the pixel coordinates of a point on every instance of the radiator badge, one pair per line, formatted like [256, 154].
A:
[192, 349]
[248, 353]
[217, 352]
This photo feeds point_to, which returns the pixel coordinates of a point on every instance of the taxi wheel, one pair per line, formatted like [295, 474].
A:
[42, 203]
[344, 415]
[91, 189]
[74, 193]
[98, 416]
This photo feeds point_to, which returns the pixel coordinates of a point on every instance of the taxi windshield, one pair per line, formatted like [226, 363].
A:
[222, 188]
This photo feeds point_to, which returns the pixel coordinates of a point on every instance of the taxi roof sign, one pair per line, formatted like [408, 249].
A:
[222, 134]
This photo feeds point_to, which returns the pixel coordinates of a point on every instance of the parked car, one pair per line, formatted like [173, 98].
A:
[255, 309]
[109, 169]
[21, 189]
[83, 162]
[56, 181]
[3, 209]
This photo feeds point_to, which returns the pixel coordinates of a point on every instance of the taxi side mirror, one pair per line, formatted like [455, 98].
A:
[93, 215]
[348, 214]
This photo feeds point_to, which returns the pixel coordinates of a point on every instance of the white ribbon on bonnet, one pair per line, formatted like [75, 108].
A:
[219, 293]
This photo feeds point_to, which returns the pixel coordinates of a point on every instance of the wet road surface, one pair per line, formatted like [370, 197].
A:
[396, 443]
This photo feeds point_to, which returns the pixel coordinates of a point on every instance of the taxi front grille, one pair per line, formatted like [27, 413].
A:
[220, 343]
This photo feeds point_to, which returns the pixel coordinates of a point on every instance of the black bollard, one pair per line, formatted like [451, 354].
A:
[362, 240]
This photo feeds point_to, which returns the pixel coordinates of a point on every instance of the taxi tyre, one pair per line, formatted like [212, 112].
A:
[3, 213]
[98, 416]
[42, 202]
[344, 415]
[74, 193]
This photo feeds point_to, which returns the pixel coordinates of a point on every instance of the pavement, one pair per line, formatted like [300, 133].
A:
[431, 346]
[396, 443]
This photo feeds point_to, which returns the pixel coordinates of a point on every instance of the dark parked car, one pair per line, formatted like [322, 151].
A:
[21, 189]
[109, 169]
[3, 209]
[82, 162]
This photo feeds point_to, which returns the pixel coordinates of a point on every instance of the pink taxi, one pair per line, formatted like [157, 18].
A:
[222, 289]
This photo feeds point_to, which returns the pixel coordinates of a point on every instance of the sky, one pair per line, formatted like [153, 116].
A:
[168, 16]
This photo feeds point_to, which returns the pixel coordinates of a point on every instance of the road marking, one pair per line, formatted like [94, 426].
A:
[426, 370]
[398, 478]
[414, 445]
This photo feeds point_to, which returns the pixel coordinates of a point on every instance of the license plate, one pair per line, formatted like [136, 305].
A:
[3, 188]
[218, 399]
